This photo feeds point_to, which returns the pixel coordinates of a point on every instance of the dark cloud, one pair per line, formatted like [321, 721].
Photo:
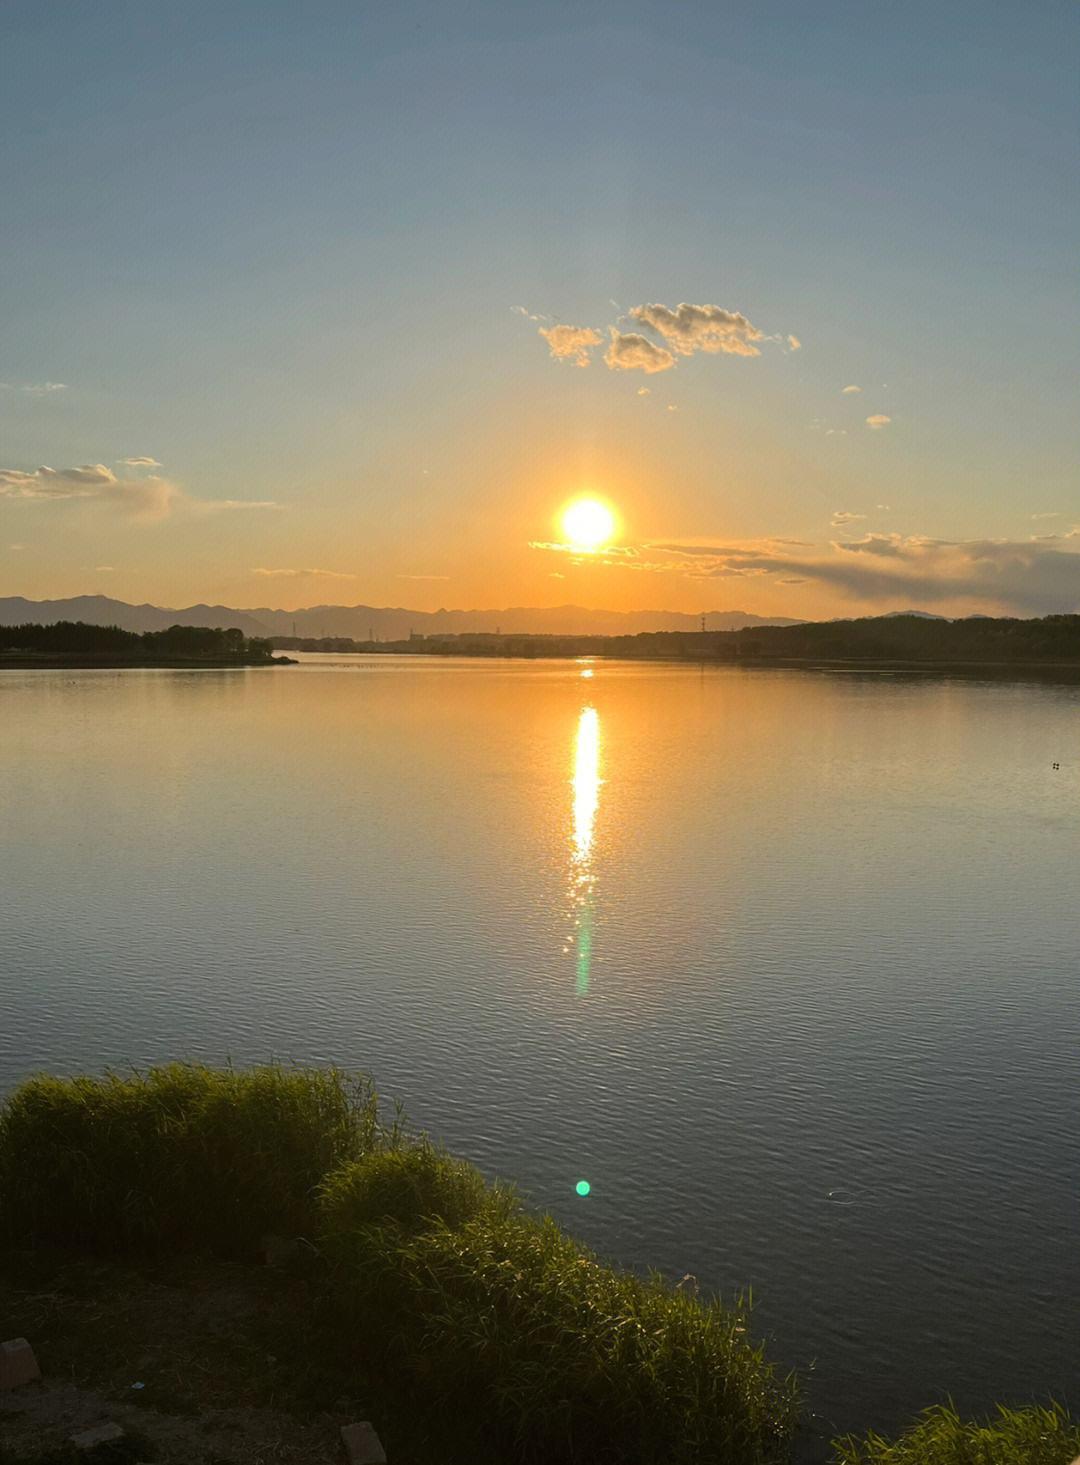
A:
[1023, 577]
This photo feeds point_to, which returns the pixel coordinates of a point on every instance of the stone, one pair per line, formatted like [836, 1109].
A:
[99, 1434]
[17, 1364]
[362, 1444]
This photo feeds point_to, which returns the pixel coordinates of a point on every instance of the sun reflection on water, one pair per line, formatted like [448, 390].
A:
[586, 785]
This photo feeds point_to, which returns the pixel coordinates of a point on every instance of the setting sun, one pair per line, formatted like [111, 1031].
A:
[588, 524]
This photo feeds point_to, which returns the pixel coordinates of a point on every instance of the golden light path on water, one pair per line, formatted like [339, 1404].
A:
[586, 785]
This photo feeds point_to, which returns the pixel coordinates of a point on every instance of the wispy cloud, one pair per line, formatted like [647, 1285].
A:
[146, 497]
[630, 351]
[423, 577]
[571, 343]
[226, 506]
[34, 389]
[139, 462]
[794, 343]
[842, 517]
[690, 328]
[847, 391]
[878, 421]
[296, 574]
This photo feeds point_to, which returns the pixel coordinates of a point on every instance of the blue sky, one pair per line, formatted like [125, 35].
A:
[278, 250]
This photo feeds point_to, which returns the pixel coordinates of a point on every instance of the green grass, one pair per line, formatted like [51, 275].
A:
[550, 1355]
[179, 1156]
[1032, 1436]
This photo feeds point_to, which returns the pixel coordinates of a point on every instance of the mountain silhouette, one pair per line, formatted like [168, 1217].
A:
[362, 621]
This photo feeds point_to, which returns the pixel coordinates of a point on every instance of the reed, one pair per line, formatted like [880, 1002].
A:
[178, 1156]
[1035, 1435]
[545, 1353]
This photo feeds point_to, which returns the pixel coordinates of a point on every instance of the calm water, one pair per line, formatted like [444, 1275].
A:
[784, 963]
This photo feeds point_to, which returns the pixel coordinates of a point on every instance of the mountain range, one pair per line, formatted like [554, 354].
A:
[361, 622]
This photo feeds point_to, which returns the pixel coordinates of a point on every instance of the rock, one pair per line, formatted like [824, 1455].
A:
[362, 1444]
[278, 1251]
[17, 1363]
[100, 1434]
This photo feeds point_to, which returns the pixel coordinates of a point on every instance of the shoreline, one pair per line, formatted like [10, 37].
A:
[74, 661]
[756, 663]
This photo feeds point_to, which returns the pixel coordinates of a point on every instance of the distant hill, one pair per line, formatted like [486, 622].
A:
[361, 621]
[100, 610]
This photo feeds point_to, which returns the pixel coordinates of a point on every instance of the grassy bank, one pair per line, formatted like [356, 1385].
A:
[446, 1290]
[482, 1333]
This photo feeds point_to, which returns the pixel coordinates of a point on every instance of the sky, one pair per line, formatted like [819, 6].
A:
[342, 303]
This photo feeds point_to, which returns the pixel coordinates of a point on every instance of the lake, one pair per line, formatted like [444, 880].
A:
[784, 963]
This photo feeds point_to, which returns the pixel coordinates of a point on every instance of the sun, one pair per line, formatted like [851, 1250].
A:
[588, 524]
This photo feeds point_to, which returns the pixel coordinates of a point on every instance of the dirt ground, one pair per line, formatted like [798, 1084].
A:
[200, 1363]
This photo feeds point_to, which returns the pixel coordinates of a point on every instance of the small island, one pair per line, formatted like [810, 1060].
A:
[76, 644]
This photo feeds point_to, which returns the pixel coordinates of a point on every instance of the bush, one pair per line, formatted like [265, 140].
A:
[551, 1355]
[1031, 1436]
[178, 1156]
[410, 1187]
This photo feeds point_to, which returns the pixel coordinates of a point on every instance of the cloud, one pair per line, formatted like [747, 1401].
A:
[836, 432]
[289, 574]
[47, 482]
[571, 343]
[842, 517]
[882, 571]
[225, 506]
[104, 569]
[34, 389]
[847, 391]
[690, 328]
[139, 462]
[644, 391]
[672, 407]
[880, 544]
[794, 343]
[631, 352]
[146, 497]
[1055, 515]
[878, 421]
[423, 577]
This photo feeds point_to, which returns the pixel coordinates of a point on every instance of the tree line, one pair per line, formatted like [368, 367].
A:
[181, 643]
[892, 638]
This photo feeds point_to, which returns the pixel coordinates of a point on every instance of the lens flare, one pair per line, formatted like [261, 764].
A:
[583, 1187]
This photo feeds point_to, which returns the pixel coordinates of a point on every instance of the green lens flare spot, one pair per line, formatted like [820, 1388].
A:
[583, 1187]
